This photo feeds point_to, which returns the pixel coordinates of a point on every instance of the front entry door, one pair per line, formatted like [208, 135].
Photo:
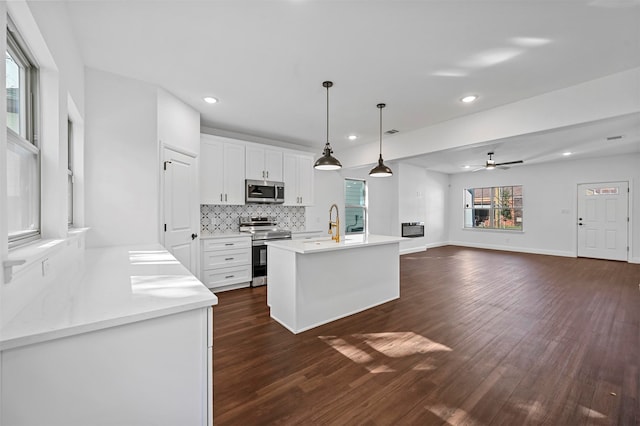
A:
[603, 212]
[180, 224]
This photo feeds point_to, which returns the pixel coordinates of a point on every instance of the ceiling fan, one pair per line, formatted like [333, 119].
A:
[491, 163]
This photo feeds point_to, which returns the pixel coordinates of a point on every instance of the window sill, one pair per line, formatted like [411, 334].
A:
[502, 231]
[26, 256]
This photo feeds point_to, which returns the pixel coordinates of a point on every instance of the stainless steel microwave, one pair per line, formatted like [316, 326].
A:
[259, 191]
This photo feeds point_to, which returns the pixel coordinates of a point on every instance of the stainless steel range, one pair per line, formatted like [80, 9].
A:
[262, 229]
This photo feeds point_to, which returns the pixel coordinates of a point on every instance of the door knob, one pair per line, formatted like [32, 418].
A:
[194, 236]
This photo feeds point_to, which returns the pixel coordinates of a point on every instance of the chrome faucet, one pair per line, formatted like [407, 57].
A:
[335, 224]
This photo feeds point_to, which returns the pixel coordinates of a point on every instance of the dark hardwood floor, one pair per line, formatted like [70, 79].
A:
[478, 337]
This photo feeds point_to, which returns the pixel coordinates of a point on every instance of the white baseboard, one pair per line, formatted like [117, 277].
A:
[440, 244]
[413, 250]
[514, 249]
[498, 247]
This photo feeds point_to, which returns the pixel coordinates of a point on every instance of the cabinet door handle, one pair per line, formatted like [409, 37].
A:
[228, 244]
[267, 174]
[300, 200]
[225, 197]
[228, 258]
[229, 276]
[220, 196]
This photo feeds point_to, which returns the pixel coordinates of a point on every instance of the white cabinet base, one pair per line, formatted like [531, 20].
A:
[152, 372]
[306, 290]
[226, 262]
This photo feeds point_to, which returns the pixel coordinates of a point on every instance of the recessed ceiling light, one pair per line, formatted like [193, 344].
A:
[530, 41]
[567, 153]
[469, 99]
[466, 167]
[450, 73]
[210, 100]
[352, 137]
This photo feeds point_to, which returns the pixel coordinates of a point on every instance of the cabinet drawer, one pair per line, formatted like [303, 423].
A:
[226, 276]
[224, 258]
[226, 243]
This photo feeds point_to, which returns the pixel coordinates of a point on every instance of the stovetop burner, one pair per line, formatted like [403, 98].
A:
[263, 228]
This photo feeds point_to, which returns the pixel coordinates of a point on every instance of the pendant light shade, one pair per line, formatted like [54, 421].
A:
[327, 161]
[381, 170]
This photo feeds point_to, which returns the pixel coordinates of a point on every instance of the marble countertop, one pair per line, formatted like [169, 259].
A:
[119, 285]
[326, 244]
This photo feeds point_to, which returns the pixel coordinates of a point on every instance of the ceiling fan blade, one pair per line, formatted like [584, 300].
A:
[478, 169]
[510, 162]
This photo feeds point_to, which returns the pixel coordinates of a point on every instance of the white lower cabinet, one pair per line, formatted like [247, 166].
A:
[226, 262]
[152, 372]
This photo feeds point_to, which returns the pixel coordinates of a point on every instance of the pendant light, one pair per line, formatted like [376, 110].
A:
[327, 161]
[380, 170]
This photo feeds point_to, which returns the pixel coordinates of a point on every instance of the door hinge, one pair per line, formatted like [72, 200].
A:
[165, 164]
[165, 227]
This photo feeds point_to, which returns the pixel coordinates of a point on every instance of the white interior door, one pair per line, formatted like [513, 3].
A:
[180, 208]
[603, 215]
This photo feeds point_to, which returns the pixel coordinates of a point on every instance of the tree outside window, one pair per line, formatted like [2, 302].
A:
[493, 208]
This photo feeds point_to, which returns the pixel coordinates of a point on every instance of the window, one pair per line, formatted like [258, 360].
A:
[601, 191]
[23, 154]
[69, 172]
[355, 206]
[493, 208]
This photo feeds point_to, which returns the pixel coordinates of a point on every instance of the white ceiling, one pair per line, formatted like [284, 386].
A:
[585, 141]
[266, 61]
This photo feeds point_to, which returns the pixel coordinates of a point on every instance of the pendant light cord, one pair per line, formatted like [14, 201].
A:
[380, 131]
[327, 86]
[380, 106]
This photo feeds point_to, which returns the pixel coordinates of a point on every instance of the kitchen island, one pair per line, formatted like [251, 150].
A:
[313, 282]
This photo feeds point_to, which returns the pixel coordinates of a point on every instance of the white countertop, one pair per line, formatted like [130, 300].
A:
[120, 285]
[326, 244]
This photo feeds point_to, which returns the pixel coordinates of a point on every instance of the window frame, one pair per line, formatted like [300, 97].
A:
[494, 206]
[28, 142]
[70, 176]
[364, 207]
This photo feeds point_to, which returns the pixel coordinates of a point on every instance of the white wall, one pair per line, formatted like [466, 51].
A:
[423, 197]
[412, 194]
[550, 204]
[329, 189]
[178, 124]
[121, 160]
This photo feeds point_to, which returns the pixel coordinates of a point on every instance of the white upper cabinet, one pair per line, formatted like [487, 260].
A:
[263, 163]
[222, 163]
[305, 179]
[298, 179]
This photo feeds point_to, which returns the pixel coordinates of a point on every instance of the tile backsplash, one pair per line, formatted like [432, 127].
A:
[218, 219]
